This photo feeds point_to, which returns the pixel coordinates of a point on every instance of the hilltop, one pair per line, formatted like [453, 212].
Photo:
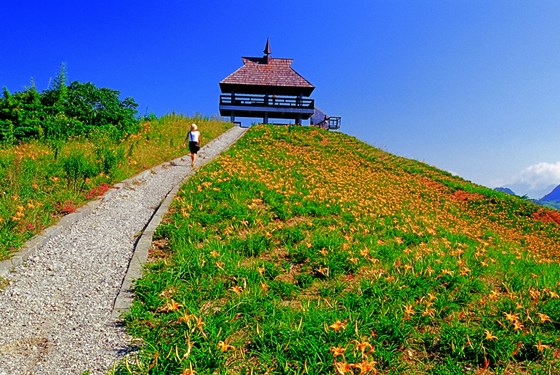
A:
[306, 251]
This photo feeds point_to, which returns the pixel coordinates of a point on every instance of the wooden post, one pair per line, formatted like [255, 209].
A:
[232, 118]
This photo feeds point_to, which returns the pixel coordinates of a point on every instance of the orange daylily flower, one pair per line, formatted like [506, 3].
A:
[362, 346]
[236, 289]
[343, 368]
[338, 325]
[489, 335]
[544, 318]
[224, 346]
[366, 367]
[171, 306]
[337, 351]
[541, 347]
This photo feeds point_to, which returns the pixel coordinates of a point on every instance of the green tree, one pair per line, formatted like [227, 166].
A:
[65, 110]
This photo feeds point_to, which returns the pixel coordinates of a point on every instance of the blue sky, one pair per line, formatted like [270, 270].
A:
[469, 86]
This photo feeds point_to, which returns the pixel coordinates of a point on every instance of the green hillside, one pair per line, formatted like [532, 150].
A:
[302, 251]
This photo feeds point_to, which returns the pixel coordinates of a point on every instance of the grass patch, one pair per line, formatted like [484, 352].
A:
[41, 183]
[283, 259]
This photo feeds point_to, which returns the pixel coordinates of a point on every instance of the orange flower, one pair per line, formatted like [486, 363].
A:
[224, 346]
[343, 368]
[171, 306]
[338, 325]
[489, 335]
[409, 310]
[337, 351]
[362, 346]
[541, 347]
[323, 271]
[517, 325]
[544, 318]
[366, 367]
[236, 289]
[511, 317]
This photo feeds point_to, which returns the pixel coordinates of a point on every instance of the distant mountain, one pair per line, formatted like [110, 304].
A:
[552, 199]
[554, 195]
[505, 190]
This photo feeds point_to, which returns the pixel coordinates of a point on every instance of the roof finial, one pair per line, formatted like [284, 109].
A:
[267, 48]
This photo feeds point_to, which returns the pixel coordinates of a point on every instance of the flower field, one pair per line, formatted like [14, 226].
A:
[301, 251]
[41, 181]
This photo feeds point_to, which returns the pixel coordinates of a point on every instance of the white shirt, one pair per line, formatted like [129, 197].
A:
[194, 136]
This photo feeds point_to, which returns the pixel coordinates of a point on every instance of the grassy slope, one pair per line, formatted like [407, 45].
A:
[36, 192]
[304, 251]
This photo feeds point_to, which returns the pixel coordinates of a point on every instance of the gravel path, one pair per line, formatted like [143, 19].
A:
[56, 316]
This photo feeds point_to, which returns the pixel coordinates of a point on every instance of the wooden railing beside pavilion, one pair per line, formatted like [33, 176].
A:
[266, 101]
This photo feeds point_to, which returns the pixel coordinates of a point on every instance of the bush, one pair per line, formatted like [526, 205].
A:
[78, 169]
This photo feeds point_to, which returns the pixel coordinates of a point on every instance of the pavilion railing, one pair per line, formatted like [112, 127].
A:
[266, 101]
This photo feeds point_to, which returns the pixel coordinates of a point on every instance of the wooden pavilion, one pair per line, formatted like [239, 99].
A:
[267, 87]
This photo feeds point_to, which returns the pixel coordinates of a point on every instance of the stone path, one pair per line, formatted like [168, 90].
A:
[59, 315]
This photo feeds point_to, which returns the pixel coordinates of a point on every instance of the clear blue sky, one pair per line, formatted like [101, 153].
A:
[469, 86]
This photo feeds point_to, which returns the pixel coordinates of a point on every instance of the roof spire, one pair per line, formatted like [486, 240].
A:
[267, 48]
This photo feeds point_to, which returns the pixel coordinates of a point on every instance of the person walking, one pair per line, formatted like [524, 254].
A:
[193, 137]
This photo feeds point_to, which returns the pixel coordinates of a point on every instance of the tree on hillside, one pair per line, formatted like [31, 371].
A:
[65, 110]
[101, 107]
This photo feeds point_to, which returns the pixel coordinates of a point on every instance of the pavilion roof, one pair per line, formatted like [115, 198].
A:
[267, 75]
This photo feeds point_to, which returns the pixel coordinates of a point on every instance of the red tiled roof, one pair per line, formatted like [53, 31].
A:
[267, 75]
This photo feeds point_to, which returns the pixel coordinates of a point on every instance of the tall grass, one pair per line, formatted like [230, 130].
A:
[41, 182]
[301, 251]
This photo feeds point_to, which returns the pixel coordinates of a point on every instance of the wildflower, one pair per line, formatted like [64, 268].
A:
[324, 252]
[214, 254]
[494, 295]
[337, 351]
[343, 368]
[517, 325]
[445, 271]
[264, 287]
[541, 347]
[544, 318]
[535, 294]
[366, 367]
[409, 310]
[171, 306]
[511, 317]
[186, 317]
[323, 271]
[236, 289]
[489, 335]
[338, 325]
[429, 312]
[224, 346]
[362, 346]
